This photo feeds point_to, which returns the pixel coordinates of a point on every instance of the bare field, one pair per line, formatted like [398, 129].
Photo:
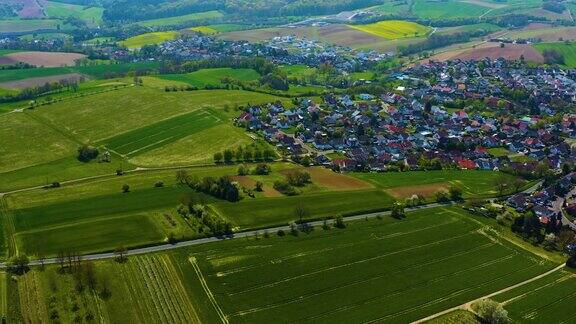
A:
[492, 51]
[545, 32]
[45, 59]
[35, 82]
[427, 190]
[335, 34]
[30, 8]
[336, 181]
[249, 183]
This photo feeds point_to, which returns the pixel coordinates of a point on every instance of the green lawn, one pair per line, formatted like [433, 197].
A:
[567, 50]
[205, 77]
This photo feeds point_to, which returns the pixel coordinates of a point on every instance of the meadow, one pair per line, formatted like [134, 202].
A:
[394, 29]
[27, 25]
[176, 20]
[568, 50]
[149, 39]
[213, 77]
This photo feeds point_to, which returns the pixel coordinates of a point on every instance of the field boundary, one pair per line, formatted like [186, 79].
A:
[207, 290]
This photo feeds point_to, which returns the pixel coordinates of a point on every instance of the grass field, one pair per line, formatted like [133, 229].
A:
[447, 9]
[473, 183]
[547, 300]
[207, 30]
[378, 270]
[567, 50]
[149, 39]
[181, 19]
[394, 29]
[198, 148]
[159, 134]
[91, 15]
[278, 211]
[202, 78]
[96, 71]
[27, 25]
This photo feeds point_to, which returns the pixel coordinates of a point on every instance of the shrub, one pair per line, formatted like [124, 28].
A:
[87, 153]
[281, 233]
[339, 222]
[285, 188]
[491, 312]
[262, 169]
[125, 188]
[299, 178]
[159, 184]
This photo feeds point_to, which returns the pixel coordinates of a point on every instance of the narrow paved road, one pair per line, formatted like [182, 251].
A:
[466, 306]
[166, 247]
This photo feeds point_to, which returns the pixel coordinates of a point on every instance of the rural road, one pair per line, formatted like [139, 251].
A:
[179, 245]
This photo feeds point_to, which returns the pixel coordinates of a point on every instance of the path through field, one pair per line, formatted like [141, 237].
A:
[466, 306]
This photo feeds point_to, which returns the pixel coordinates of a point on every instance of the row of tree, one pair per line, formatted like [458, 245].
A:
[247, 153]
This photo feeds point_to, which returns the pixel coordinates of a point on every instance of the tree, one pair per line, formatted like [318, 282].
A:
[501, 183]
[442, 195]
[243, 170]
[301, 212]
[182, 177]
[120, 253]
[87, 153]
[455, 193]
[259, 186]
[19, 263]
[125, 188]
[339, 222]
[491, 311]
[398, 210]
[218, 156]
[89, 274]
[61, 259]
[228, 156]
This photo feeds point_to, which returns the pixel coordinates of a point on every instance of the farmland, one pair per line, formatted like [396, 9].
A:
[26, 25]
[568, 51]
[91, 15]
[204, 77]
[155, 281]
[373, 270]
[355, 274]
[176, 20]
[149, 39]
[546, 300]
[447, 9]
[473, 183]
[394, 29]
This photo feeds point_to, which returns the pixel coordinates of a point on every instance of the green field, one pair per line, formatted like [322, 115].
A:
[567, 50]
[446, 9]
[159, 134]
[96, 71]
[91, 15]
[170, 21]
[473, 183]
[394, 29]
[205, 77]
[27, 25]
[547, 300]
[207, 30]
[154, 281]
[149, 39]
[376, 270]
